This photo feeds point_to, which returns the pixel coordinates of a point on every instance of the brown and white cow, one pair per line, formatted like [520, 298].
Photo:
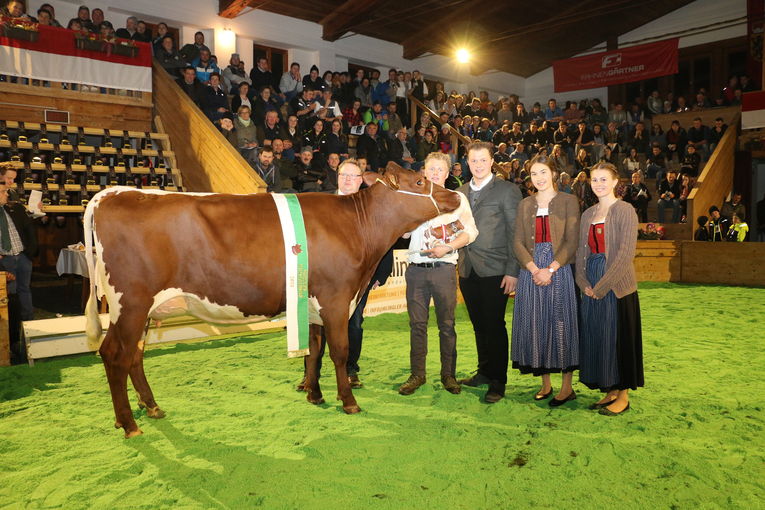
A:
[221, 258]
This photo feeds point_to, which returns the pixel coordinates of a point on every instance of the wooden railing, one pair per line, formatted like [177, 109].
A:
[208, 162]
[716, 179]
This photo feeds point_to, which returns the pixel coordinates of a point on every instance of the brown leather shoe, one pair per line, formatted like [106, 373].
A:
[495, 394]
[411, 384]
[355, 382]
[451, 385]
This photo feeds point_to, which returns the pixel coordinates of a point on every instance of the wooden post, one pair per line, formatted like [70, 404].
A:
[5, 337]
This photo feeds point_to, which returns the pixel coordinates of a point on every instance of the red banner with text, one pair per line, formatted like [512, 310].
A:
[617, 66]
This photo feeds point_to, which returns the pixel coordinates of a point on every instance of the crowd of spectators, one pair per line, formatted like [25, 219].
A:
[306, 118]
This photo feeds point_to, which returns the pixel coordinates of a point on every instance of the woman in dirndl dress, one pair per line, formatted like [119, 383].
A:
[545, 335]
[611, 347]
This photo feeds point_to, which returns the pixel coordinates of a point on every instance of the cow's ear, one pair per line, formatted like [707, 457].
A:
[392, 178]
[371, 178]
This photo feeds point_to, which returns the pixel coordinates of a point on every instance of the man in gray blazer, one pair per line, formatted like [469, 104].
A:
[488, 268]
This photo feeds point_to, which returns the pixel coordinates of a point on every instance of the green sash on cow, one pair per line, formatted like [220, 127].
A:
[296, 272]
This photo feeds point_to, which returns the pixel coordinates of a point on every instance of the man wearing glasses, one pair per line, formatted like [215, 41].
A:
[349, 181]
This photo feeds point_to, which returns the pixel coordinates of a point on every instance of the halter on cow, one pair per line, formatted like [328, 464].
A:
[221, 258]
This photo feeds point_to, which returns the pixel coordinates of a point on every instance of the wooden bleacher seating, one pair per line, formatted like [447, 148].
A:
[69, 164]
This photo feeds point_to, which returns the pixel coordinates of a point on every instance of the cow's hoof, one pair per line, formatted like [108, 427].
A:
[133, 433]
[354, 409]
[155, 413]
[117, 425]
[316, 401]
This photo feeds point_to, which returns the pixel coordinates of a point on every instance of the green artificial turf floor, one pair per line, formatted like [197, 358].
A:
[237, 435]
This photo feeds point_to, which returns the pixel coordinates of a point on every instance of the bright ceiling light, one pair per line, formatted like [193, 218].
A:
[463, 56]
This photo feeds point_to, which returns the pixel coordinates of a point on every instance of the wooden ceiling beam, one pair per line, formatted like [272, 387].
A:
[233, 8]
[343, 19]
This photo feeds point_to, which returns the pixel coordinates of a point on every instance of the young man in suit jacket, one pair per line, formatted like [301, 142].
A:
[488, 268]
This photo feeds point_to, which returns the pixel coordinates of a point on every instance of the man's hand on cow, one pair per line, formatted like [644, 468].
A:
[508, 284]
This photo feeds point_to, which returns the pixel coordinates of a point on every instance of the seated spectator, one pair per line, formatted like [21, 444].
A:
[76, 24]
[233, 76]
[285, 166]
[631, 163]
[656, 164]
[270, 130]
[638, 195]
[557, 155]
[317, 139]
[106, 31]
[399, 151]
[690, 162]
[129, 31]
[426, 146]
[352, 114]
[536, 114]
[634, 116]
[521, 115]
[267, 170]
[614, 139]
[701, 234]
[654, 103]
[394, 120]
[639, 140]
[329, 184]
[553, 114]
[309, 176]
[716, 134]
[261, 76]
[718, 225]
[156, 42]
[582, 163]
[583, 139]
[502, 135]
[337, 142]
[598, 142]
[669, 197]
[326, 107]
[514, 171]
[534, 138]
[739, 229]
[681, 105]
[446, 142]
[373, 148]
[215, 101]
[205, 66]
[484, 132]
[263, 104]
[169, 58]
[583, 192]
[190, 52]
[313, 80]
[609, 156]
[519, 153]
[701, 103]
[562, 137]
[192, 87]
[501, 155]
[572, 114]
[454, 180]
[618, 116]
[242, 97]
[657, 136]
[302, 108]
[505, 116]
[226, 127]
[378, 116]
[292, 137]
[246, 134]
[515, 135]
[676, 141]
[734, 206]
[698, 136]
[564, 185]
[363, 93]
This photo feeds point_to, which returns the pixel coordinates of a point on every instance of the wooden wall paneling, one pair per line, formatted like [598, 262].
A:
[658, 261]
[723, 263]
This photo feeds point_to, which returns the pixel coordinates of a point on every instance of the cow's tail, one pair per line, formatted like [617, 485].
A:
[93, 329]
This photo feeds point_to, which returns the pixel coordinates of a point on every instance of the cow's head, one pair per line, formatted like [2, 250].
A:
[415, 194]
